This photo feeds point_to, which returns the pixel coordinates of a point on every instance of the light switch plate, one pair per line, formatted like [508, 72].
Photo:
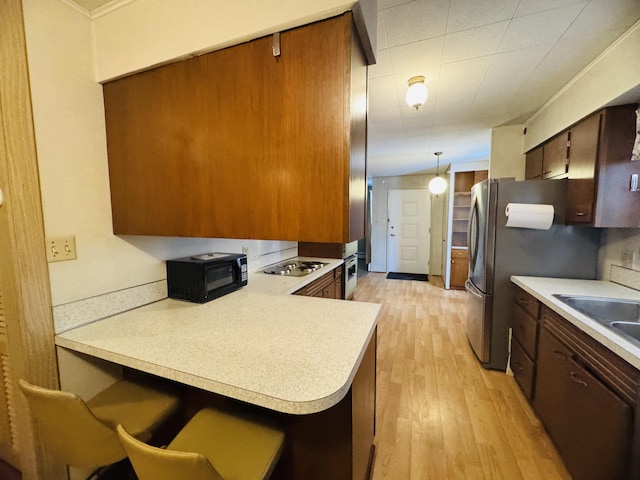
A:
[61, 248]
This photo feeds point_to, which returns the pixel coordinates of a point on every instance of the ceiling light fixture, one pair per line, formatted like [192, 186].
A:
[417, 92]
[437, 185]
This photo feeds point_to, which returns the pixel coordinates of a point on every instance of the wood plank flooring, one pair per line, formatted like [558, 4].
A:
[440, 415]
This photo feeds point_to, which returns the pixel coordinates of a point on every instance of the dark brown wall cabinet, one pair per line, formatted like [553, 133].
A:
[586, 397]
[238, 143]
[595, 155]
[600, 170]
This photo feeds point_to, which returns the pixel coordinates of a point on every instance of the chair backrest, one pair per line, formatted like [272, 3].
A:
[69, 429]
[151, 463]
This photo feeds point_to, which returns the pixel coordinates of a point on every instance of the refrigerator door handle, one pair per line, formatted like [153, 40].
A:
[472, 234]
[471, 288]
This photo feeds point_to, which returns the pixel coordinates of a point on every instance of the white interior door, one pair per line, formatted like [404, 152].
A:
[408, 231]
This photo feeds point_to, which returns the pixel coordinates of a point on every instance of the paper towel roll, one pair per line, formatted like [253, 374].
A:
[529, 215]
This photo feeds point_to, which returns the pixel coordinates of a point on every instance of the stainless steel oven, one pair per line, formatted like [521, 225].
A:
[350, 276]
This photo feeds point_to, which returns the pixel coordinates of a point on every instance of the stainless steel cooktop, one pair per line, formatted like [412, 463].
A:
[294, 268]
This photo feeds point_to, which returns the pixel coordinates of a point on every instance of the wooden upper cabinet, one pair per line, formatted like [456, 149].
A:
[600, 169]
[555, 154]
[238, 143]
[533, 166]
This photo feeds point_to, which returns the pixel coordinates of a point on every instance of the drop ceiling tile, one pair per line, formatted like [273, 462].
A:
[415, 21]
[536, 6]
[539, 28]
[475, 42]
[516, 65]
[390, 115]
[382, 34]
[384, 4]
[457, 90]
[383, 65]
[417, 127]
[599, 16]
[412, 56]
[466, 14]
[382, 93]
[472, 68]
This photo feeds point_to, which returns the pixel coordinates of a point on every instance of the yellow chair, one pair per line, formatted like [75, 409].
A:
[83, 434]
[213, 445]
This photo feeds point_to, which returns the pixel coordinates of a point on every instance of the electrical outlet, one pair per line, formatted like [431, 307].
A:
[245, 250]
[61, 248]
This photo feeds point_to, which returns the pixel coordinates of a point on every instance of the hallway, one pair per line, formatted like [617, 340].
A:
[440, 415]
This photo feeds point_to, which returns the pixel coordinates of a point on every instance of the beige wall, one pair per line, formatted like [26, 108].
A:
[507, 158]
[70, 131]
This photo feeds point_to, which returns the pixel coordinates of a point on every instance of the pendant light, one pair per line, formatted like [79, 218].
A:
[437, 185]
[417, 92]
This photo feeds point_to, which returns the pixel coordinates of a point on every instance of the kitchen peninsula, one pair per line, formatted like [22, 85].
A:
[309, 361]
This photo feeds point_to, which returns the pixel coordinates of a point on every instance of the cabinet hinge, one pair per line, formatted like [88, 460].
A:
[276, 44]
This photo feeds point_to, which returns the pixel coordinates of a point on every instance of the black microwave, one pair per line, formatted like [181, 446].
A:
[202, 278]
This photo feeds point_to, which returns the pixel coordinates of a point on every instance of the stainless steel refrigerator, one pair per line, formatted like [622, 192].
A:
[496, 252]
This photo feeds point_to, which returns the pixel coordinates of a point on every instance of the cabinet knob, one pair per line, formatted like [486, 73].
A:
[580, 214]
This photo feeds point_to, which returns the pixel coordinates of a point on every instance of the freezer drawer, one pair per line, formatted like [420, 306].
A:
[479, 320]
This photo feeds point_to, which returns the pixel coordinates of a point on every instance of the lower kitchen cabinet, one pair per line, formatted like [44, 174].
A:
[459, 267]
[524, 341]
[327, 286]
[585, 396]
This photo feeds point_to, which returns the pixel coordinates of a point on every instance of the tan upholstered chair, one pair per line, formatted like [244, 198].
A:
[213, 445]
[83, 434]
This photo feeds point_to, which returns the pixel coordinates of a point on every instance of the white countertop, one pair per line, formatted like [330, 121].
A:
[544, 288]
[288, 353]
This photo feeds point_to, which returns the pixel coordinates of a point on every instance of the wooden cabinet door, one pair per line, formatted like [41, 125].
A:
[533, 166]
[583, 156]
[583, 149]
[459, 268]
[554, 159]
[590, 424]
[240, 144]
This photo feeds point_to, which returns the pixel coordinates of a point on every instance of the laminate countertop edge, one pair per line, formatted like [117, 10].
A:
[543, 289]
[288, 353]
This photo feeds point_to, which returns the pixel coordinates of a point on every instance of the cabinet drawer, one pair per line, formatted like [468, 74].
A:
[589, 423]
[525, 330]
[523, 369]
[527, 301]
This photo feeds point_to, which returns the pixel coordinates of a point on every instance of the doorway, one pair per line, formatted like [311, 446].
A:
[408, 237]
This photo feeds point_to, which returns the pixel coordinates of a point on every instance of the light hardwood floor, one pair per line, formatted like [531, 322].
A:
[440, 415]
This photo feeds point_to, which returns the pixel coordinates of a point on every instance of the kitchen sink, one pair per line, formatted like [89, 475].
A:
[619, 315]
[631, 329]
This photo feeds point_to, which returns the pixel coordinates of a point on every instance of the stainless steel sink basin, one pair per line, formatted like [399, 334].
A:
[619, 315]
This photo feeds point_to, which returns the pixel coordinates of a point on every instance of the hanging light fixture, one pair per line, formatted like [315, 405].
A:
[437, 185]
[417, 92]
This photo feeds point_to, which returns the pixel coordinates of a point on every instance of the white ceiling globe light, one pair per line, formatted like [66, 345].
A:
[417, 92]
[437, 185]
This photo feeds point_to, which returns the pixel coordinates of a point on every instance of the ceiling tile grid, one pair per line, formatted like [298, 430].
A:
[488, 63]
